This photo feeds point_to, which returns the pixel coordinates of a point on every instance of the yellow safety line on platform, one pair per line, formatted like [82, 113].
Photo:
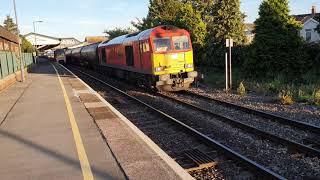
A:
[84, 162]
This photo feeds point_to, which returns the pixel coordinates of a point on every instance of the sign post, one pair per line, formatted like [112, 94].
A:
[229, 45]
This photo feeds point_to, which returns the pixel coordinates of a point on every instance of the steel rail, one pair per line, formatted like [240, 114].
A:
[250, 164]
[293, 145]
[277, 118]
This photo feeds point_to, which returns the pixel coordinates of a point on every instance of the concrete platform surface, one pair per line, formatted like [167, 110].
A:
[54, 126]
[36, 140]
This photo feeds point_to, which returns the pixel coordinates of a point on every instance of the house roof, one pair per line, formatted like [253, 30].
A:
[8, 35]
[303, 18]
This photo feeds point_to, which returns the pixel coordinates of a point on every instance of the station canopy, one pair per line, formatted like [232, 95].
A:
[44, 42]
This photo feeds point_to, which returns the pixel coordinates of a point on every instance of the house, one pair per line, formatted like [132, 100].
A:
[309, 25]
[249, 33]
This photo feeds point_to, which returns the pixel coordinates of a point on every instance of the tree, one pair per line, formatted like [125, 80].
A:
[113, 33]
[161, 12]
[178, 13]
[226, 21]
[190, 19]
[276, 48]
[26, 46]
[10, 25]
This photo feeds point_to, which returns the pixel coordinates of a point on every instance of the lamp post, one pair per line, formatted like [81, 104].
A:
[35, 38]
[19, 43]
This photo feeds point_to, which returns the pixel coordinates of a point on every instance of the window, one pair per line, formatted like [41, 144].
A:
[181, 42]
[308, 34]
[145, 47]
[162, 44]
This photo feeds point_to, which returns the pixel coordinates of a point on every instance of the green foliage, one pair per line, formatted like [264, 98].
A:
[317, 97]
[26, 46]
[277, 46]
[241, 89]
[112, 33]
[180, 14]
[160, 13]
[190, 19]
[226, 21]
[10, 25]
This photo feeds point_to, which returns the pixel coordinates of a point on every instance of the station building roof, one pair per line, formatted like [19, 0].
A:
[44, 42]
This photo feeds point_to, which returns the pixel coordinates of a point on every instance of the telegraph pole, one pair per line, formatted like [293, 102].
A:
[19, 44]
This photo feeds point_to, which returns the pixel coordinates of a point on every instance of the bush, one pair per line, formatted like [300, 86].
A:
[241, 89]
[302, 96]
[317, 97]
[286, 97]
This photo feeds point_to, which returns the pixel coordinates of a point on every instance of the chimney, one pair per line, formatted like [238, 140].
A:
[314, 10]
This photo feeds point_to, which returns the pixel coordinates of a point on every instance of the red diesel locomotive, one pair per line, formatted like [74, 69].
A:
[161, 57]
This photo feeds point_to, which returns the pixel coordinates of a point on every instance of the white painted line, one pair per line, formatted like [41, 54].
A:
[164, 156]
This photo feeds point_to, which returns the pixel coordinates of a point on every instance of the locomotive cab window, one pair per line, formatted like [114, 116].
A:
[181, 42]
[162, 44]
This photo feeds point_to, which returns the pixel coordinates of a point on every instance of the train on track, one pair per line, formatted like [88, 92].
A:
[159, 58]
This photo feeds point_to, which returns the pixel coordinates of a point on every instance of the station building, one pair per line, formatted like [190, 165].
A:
[47, 44]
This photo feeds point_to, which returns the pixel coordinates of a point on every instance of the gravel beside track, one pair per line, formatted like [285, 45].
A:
[275, 157]
[299, 111]
[264, 124]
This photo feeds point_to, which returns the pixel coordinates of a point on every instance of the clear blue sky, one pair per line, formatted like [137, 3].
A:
[80, 18]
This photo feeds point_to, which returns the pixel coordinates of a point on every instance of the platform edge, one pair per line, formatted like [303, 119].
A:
[164, 156]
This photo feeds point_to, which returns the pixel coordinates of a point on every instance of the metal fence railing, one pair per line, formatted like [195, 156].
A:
[10, 64]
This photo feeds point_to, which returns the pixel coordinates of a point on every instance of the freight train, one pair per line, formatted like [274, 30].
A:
[159, 58]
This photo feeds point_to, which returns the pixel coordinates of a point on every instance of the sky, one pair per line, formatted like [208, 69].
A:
[80, 18]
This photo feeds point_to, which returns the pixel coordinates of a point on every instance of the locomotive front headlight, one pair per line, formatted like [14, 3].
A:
[157, 69]
[189, 66]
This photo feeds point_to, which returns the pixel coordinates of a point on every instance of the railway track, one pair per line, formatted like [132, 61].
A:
[310, 145]
[197, 152]
[273, 117]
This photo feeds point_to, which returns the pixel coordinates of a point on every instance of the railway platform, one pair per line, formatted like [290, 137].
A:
[54, 126]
